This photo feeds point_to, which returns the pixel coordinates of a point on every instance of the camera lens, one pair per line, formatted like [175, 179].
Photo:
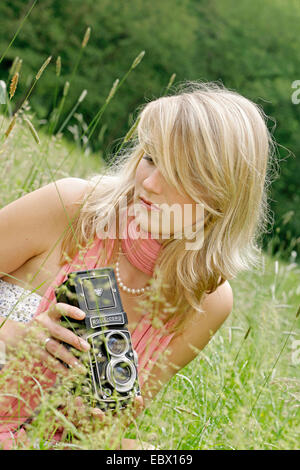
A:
[117, 344]
[122, 373]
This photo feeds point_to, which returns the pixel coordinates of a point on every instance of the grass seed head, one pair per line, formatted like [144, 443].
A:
[38, 75]
[11, 125]
[113, 90]
[13, 85]
[86, 37]
[32, 130]
[137, 60]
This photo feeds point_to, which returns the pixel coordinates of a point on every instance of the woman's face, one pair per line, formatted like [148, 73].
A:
[176, 212]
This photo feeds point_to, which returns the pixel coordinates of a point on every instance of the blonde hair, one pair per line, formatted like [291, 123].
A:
[203, 136]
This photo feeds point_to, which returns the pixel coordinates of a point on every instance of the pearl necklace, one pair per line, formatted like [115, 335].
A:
[125, 288]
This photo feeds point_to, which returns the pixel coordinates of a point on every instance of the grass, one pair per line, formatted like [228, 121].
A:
[242, 390]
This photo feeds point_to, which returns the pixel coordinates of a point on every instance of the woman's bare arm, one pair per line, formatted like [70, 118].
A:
[184, 348]
[30, 223]
[29, 226]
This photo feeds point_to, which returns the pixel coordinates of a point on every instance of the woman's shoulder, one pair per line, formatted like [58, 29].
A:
[216, 307]
[63, 198]
[36, 219]
[200, 327]
[220, 302]
[71, 190]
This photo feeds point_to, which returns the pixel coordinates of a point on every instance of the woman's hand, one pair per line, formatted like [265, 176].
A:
[82, 410]
[46, 328]
[83, 415]
[117, 442]
[91, 421]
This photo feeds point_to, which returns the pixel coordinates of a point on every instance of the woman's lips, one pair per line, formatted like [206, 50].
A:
[149, 206]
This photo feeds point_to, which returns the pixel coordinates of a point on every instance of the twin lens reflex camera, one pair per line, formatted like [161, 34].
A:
[112, 378]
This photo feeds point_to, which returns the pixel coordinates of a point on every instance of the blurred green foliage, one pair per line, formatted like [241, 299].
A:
[251, 46]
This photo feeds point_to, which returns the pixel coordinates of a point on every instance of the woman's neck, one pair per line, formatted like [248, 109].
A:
[138, 247]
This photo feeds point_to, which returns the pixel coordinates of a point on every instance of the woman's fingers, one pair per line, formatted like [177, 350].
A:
[41, 342]
[79, 403]
[97, 413]
[84, 410]
[57, 350]
[56, 311]
[57, 331]
[138, 406]
[83, 413]
[41, 354]
[51, 321]
[63, 334]
[135, 444]
[80, 408]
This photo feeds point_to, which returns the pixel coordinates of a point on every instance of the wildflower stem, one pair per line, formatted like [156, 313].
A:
[83, 45]
[114, 89]
[58, 70]
[60, 108]
[37, 77]
[71, 113]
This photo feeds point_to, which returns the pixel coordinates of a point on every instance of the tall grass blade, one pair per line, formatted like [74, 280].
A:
[18, 30]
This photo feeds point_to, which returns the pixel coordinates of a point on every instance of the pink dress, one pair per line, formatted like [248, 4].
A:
[147, 341]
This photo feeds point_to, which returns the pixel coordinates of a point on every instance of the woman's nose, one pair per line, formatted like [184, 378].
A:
[154, 182]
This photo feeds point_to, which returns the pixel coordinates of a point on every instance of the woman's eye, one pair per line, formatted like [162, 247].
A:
[149, 159]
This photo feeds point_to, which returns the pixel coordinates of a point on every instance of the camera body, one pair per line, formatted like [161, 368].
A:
[112, 379]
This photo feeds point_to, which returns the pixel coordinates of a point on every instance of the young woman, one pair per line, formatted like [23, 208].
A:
[205, 146]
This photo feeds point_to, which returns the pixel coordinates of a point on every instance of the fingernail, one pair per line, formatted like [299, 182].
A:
[97, 412]
[79, 366]
[85, 344]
